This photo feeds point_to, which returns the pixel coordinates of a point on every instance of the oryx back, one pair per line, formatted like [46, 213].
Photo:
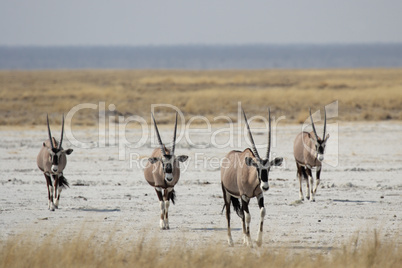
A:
[304, 150]
[238, 178]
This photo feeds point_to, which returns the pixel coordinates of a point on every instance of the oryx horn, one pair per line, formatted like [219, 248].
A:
[48, 131]
[312, 124]
[250, 136]
[325, 122]
[269, 133]
[158, 136]
[174, 136]
[62, 132]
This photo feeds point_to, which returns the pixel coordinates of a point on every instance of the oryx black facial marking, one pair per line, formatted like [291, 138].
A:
[253, 182]
[167, 164]
[320, 149]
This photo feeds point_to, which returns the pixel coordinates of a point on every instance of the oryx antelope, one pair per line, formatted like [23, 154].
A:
[244, 175]
[163, 172]
[308, 150]
[51, 161]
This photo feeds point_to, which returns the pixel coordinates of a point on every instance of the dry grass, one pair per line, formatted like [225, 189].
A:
[366, 94]
[28, 251]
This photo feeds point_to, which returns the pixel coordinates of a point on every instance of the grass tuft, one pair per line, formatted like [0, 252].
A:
[29, 250]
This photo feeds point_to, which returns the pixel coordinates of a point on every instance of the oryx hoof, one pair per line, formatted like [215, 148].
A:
[162, 225]
[258, 243]
[52, 207]
[247, 242]
[308, 197]
[230, 242]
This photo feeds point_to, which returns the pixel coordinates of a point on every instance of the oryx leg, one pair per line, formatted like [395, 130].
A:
[260, 199]
[57, 189]
[300, 177]
[317, 181]
[162, 206]
[166, 197]
[226, 199]
[246, 221]
[49, 192]
[309, 184]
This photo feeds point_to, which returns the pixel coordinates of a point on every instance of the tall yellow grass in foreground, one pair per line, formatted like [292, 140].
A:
[363, 94]
[26, 251]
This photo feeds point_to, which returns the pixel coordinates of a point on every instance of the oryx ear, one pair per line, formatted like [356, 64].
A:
[68, 151]
[327, 137]
[277, 161]
[249, 161]
[182, 158]
[153, 160]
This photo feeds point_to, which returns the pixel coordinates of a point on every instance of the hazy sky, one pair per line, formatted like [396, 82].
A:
[161, 22]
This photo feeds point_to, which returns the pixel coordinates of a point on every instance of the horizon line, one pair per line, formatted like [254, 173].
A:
[197, 45]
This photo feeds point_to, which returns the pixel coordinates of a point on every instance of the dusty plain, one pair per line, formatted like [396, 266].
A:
[109, 199]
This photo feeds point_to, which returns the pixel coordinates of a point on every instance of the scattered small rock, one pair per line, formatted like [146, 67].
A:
[80, 184]
[84, 198]
[349, 184]
[43, 219]
[296, 202]
[382, 197]
[319, 220]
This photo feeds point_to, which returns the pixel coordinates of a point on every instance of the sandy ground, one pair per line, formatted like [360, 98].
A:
[361, 190]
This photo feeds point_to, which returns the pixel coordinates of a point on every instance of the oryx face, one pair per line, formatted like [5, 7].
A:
[320, 147]
[263, 167]
[319, 143]
[55, 155]
[168, 164]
